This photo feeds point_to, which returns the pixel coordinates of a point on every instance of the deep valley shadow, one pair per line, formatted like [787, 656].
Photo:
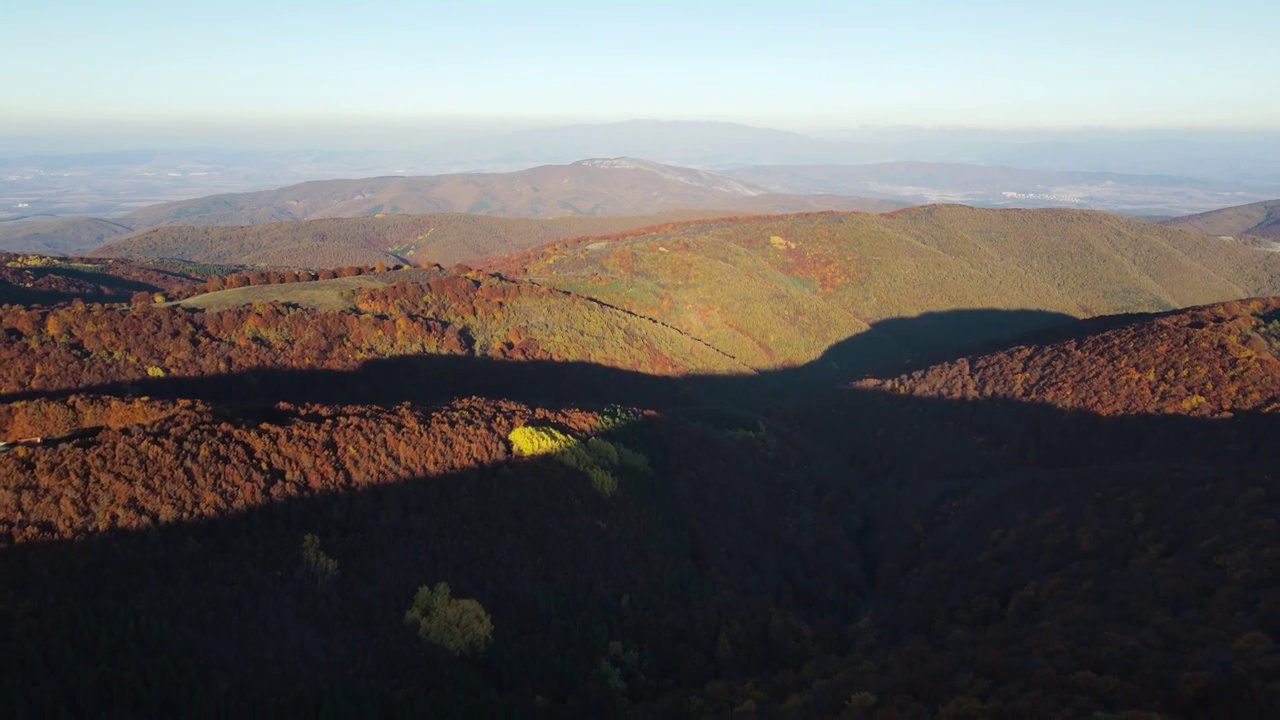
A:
[890, 346]
[88, 286]
[904, 542]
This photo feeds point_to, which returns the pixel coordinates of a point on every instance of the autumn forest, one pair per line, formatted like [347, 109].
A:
[939, 462]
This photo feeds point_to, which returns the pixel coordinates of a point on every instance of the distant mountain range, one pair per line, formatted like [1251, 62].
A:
[1233, 156]
[619, 186]
[46, 179]
[1225, 155]
[599, 187]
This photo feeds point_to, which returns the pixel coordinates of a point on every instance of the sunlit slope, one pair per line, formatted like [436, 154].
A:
[1260, 219]
[337, 325]
[781, 290]
[230, 502]
[444, 238]
[47, 234]
[40, 279]
[617, 186]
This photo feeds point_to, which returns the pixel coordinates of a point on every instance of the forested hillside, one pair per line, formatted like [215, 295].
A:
[1210, 362]
[1259, 220]
[411, 312]
[445, 238]
[778, 291]
[40, 279]
[50, 236]
[408, 373]
[618, 186]
[855, 551]
[418, 491]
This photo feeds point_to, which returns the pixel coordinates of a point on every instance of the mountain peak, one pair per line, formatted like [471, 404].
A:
[688, 176]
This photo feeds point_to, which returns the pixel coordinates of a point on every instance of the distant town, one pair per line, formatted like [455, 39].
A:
[1009, 195]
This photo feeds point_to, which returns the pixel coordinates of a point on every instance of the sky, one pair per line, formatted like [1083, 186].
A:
[801, 64]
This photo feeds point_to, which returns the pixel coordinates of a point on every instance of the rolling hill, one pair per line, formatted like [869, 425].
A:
[1208, 361]
[44, 280]
[445, 238]
[1261, 220]
[1034, 502]
[619, 186]
[48, 235]
[781, 291]
[600, 187]
[808, 465]
[335, 325]
[414, 492]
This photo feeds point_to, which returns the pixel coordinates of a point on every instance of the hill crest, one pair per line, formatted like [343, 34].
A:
[620, 186]
[1261, 220]
[830, 275]
[1212, 360]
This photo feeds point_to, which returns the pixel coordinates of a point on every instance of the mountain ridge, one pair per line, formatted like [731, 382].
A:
[605, 188]
[1261, 220]
[586, 188]
[831, 273]
[444, 238]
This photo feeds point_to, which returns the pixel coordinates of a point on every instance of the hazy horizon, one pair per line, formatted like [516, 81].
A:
[116, 106]
[381, 135]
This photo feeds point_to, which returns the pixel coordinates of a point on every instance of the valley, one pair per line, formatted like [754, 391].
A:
[612, 186]
[698, 361]
[942, 461]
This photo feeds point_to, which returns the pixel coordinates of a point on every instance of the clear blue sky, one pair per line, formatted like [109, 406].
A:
[800, 63]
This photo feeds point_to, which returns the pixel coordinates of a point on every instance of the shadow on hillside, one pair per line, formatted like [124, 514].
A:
[155, 622]
[890, 346]
[110, 288]
[774, 537]
[11, 294]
